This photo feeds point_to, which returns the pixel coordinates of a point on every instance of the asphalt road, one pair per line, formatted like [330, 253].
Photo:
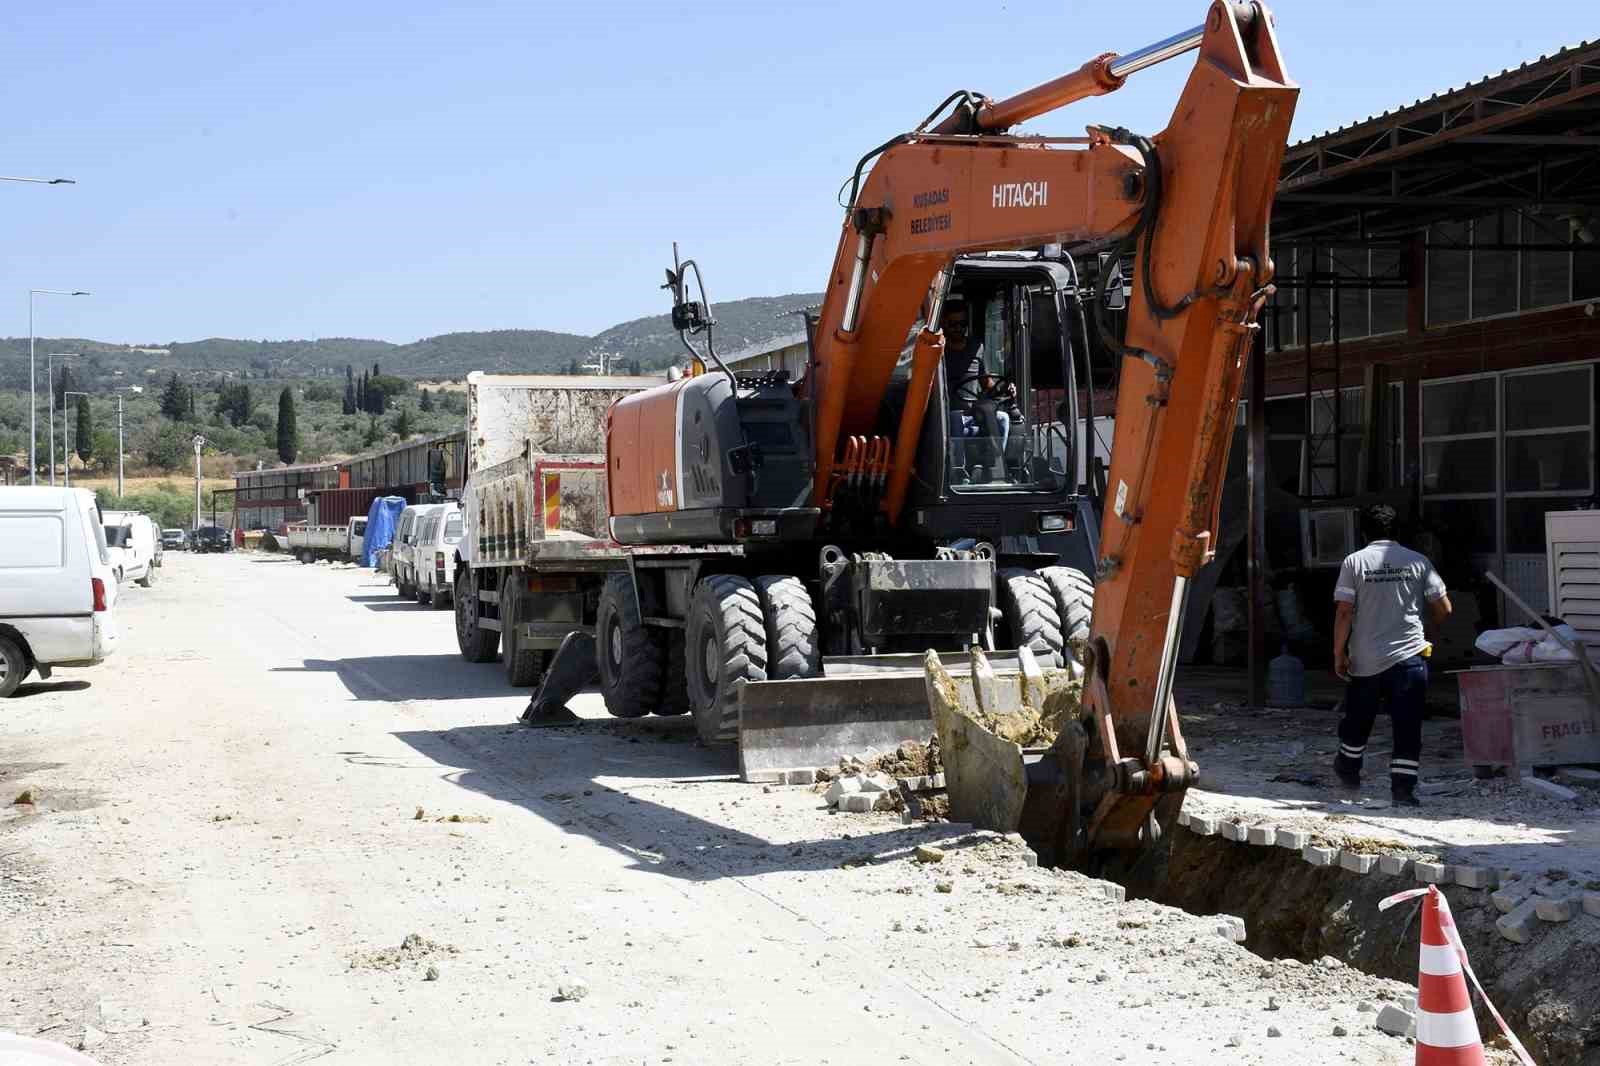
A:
[239, 821]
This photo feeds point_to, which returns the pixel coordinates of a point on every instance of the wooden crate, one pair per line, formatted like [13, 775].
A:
[1534, 715]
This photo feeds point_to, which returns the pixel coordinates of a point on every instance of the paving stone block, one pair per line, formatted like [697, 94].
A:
[799, 777]
[1507, 900]
[1231, 831]
[1230, 928]
[1262, 835]
[1591, 903]
[1183, 819]
[1394, 865]
[858, 802]
[1518, 926]
[1203, 827]
[1396, 1021]
[1320, 856]
[1556, 910]
[1357, 862]
[1578, 775]
[1474, 876]
[1549, 788]
[1114, 892]
[840, 788]
[1431, 873]
[1294, 839]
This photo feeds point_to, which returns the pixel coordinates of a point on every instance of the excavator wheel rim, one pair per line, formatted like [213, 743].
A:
[726, 612]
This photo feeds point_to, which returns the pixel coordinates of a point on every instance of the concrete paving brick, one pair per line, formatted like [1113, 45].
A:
[1394, 865]
[1293, 839]
[1262, 835]
[1474, 876]
[1203, 827]
[1431, 873]
[1230, 927]
[1518, 926]
[800, 777]
[1507, 900]
[857, 802]
[1357, 862]
[840, 788]
[1320, 856]
[1231, 831]
[1114, 892]
[1183, 819]
[1591, 903]
[1395, 1021]
[1556, 910]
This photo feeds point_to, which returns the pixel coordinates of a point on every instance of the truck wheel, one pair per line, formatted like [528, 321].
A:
[477, 644]
[13, 666]
[439, 598]
[423, 596]
[632, 657]
[1032, 621]
[675, 686]
[1074, 595]
[791, 623]
[148, 579]
[724, 647]
[524, 666]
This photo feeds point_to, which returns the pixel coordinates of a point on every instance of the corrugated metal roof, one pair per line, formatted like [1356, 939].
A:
[766, 347]
[303, 468]
[1442, 98]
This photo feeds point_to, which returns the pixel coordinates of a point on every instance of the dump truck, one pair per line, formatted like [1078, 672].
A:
[536, 546]
[791, 544]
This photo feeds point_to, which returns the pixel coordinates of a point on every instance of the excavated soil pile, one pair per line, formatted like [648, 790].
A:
[1548, 990]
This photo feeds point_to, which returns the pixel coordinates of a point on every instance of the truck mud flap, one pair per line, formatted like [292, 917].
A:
[861, 703]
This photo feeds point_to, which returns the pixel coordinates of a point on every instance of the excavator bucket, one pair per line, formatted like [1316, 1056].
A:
[861, 703]
[1011, 745]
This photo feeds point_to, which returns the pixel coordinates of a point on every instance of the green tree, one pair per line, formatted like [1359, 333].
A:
[426, 403]
[235, 403]
[177, 402]
[373, 434]
[403, 426]
[83, 432]
[350, 407]
[64, 384]
[287, 442]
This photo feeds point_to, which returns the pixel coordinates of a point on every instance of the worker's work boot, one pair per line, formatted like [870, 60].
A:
[1347, 770]
[1404, 795]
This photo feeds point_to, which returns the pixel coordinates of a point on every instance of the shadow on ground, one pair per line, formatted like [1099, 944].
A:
[44, 688]
[397, 678]
[561, 776]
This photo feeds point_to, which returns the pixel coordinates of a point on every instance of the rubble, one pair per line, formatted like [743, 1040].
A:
[928, 853]
[1549, 788]
[1396, 1021]
[572, 991]
[1518, 925]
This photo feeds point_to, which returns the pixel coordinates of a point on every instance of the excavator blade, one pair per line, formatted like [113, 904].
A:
[861, 703]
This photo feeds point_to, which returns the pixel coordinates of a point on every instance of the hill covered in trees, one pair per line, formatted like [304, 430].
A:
[649, 342]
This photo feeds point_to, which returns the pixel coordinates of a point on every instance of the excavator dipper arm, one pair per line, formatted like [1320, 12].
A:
[1193, 202]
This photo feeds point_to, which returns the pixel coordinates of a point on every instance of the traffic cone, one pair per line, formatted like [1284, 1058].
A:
[1447, 1031]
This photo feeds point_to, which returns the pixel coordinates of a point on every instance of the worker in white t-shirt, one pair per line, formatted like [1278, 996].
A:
[1379, 648]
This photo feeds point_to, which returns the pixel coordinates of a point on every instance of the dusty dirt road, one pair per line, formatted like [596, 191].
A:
[225, 856]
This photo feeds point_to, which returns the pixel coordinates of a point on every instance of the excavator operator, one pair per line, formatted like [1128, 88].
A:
[978, 408]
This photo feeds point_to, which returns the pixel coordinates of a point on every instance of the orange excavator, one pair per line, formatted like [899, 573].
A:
[796, 544]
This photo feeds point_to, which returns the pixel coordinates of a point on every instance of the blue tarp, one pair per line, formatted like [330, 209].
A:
[381, 518]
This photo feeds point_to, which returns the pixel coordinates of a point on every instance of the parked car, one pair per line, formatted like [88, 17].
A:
[57, 588]
[134, 544]
[402, 564]
[211, 539]
[174, 540]
[435, 555]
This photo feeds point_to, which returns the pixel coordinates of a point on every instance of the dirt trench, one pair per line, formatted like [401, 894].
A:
[1548, 989]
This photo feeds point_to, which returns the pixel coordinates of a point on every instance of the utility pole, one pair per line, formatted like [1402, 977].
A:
[119, 445]
[199, 442]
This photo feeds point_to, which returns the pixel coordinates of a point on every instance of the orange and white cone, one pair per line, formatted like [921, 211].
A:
[1447, 1030]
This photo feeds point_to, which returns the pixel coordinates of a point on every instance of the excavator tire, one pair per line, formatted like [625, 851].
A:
[725, 645]
[631, 657]
[1029, 608]
[675, 686]
[1074, 594]
[524, 666]
[791, 620]
[477, 644]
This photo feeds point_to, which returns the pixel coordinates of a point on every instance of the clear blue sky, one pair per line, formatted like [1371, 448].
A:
[274, 169]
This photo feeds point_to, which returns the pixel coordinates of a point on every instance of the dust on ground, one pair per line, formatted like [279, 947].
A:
[414, 948]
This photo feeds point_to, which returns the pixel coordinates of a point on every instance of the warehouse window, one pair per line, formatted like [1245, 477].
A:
[1460, 476]
[1549, 461]
[1475, 269]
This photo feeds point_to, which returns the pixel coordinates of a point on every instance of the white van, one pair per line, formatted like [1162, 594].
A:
[402, 561]
[435, 554]
[56, 583]
[134, 542]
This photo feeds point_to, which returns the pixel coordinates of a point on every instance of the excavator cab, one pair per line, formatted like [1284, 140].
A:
[1000, 459]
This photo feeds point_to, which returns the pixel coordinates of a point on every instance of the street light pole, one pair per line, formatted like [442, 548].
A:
[66, 445]
[41, 181]
[199, 442]
[33, 399]
[119, 446]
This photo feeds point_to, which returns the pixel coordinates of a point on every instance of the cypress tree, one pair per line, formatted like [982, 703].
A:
[287, 437]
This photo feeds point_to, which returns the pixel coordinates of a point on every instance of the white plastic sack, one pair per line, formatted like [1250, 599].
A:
[1549, 650]
[1497, 642]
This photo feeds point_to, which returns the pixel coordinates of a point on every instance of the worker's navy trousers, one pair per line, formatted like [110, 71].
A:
[1402, 690]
